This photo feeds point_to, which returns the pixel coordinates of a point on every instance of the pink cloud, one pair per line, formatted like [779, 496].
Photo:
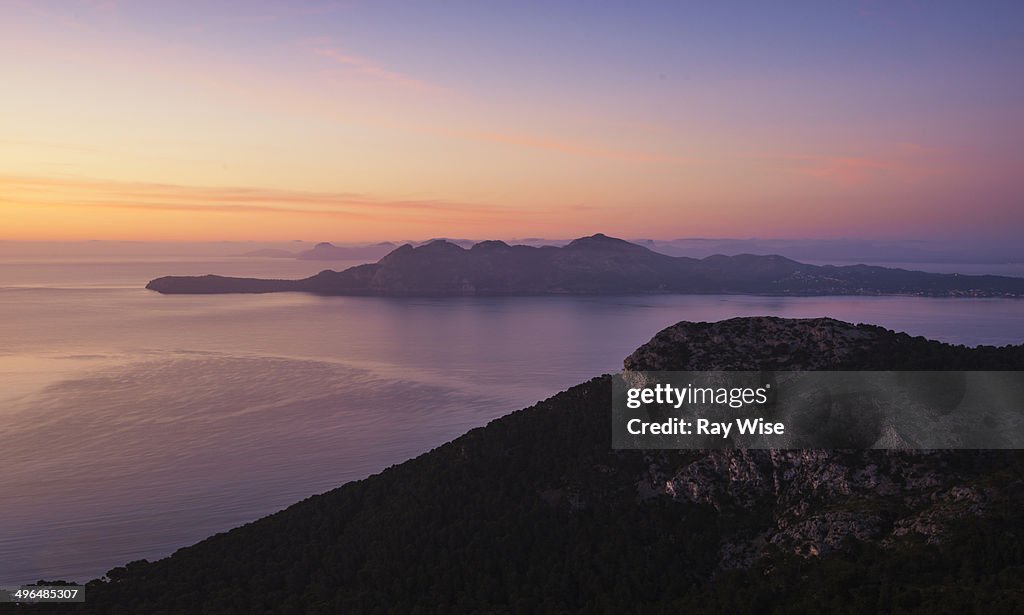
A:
[101, 5]
[845, 170]
[569, 147]
[899, 161]
[364, 68]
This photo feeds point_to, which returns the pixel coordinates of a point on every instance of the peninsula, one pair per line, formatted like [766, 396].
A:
[596, 265]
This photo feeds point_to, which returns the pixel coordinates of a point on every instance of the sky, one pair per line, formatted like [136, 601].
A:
[364, 121]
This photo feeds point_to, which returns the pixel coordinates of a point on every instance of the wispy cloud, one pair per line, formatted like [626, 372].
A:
[899, 161]
[844, 170]
[350, 65]
[280, 12]
[570, 147]
[101, 5]
[258, 18]
[104, 194]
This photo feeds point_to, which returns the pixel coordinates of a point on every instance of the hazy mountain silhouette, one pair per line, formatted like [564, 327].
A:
[326, 251]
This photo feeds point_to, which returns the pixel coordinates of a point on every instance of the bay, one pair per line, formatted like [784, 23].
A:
[132, 424]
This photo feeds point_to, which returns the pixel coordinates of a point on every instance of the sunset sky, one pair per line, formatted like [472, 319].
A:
[360, 121]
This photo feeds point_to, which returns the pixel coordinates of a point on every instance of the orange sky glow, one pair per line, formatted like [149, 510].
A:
[359, 122]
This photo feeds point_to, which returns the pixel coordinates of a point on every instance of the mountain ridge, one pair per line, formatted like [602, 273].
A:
[595, 265]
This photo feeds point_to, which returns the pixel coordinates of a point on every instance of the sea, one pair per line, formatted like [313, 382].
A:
[133, 424]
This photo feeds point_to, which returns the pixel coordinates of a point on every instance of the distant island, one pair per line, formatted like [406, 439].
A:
[326, 251]
[536, 513]
[595, 265]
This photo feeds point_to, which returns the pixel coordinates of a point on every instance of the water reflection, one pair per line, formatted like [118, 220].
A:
[135, 423]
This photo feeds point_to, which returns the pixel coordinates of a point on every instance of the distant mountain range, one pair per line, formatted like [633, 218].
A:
[536, 513]
[327, 251]
[593, 265]
[848, 250]
[833, 251]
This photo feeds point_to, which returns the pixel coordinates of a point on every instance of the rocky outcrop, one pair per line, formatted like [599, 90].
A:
[755, 344]
[816, 501]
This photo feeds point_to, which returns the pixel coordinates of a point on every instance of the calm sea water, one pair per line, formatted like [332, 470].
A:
[132, 423]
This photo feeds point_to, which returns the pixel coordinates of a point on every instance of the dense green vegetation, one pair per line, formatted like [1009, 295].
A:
[978, 569]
